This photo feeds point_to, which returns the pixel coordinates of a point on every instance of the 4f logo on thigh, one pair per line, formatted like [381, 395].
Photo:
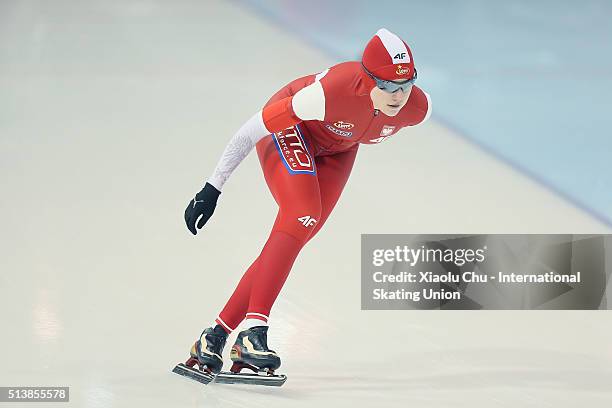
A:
[307, 220]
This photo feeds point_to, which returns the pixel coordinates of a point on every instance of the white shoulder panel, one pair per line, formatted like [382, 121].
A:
[428, 114]
[309, 102]
[321, 74]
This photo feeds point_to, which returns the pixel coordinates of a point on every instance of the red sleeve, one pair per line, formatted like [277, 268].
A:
[279, 115]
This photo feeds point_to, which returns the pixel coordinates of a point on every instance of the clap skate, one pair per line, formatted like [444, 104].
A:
[206, 354]
[251, 351]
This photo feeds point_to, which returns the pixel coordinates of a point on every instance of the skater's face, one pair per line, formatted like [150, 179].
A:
[389, 103]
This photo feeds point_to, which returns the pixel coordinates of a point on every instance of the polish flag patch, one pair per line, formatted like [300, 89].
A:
[387, 130]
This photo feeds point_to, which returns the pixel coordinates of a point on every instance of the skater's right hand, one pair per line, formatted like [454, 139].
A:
[201, 206]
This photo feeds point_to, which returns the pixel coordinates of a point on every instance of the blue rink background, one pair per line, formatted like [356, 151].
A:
[529, 82]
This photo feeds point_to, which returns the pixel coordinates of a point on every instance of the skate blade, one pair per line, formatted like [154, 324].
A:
[227, 377]
[192, 373]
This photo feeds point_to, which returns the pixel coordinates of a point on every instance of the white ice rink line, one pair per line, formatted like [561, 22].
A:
[114, 112]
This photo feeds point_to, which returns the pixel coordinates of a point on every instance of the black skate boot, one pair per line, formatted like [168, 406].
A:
[251, 351]
[206, 352]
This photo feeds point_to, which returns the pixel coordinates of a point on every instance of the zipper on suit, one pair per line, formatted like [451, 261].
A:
[376, 112]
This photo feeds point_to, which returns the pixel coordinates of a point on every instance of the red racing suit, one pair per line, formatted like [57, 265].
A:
[317, 123]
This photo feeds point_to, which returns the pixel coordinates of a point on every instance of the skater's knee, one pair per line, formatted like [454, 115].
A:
[300, 222]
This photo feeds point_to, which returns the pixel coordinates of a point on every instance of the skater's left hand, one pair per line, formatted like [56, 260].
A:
[201, 206]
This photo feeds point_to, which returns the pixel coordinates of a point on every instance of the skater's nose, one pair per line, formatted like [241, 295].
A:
[398, 95]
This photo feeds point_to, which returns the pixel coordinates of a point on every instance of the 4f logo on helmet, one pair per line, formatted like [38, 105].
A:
[400, 55]
[307, 220]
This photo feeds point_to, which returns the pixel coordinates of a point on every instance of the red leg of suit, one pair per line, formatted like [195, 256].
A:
[306, 193]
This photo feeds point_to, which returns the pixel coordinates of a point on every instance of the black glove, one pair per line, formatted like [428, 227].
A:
[202, 205]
